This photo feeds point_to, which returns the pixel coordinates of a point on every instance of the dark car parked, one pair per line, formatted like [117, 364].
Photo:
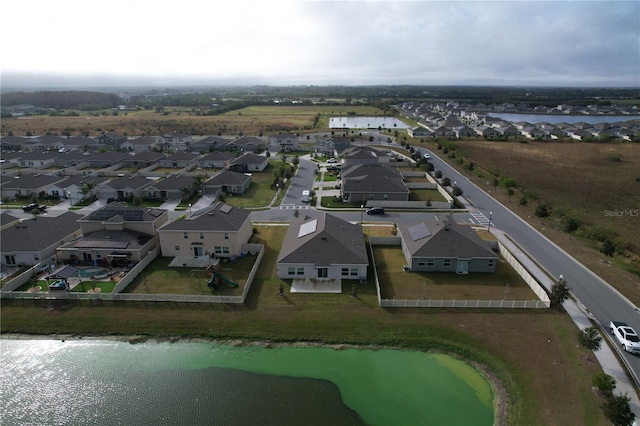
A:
[34, 206]
[375, 210]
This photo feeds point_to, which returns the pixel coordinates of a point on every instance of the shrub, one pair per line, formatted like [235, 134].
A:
[542, 210]
[523, 201]
[604, 383]
[571, 224]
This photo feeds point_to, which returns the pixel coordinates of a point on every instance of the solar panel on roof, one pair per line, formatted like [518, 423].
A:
[419, 231]
[308, 228]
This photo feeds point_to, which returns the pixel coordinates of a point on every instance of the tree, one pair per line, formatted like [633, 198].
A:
[457, 191]
[446, 181]
[608, 248]
[559, 293]
[590, 339]
[618, 411]
[543, 210]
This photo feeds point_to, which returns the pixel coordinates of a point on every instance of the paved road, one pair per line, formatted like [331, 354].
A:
[604, 302]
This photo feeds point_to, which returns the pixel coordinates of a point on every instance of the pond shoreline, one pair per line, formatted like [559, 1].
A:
[500, 400]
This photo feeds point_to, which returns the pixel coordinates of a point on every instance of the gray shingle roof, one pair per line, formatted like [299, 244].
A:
[31, 181]
[445, 238]
[334, 241]
[37, 234]
[121, 211]
[219, 217]
[228, 177]
[128, 181]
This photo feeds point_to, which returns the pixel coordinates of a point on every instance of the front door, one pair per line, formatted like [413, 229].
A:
[197, 251]
[10, 259]
[462, 266]
[323, 272]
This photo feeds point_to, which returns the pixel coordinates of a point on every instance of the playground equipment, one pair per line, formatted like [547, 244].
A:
[59, 285]
[217, 278]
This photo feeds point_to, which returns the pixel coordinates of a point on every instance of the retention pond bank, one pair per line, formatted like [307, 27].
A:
[113, 382]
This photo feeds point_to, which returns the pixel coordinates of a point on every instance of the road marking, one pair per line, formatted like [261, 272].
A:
[292, 207]
[482, 219]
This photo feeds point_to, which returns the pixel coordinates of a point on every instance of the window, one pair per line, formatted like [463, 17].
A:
[202, 235]
[291, 270]
[225, 250]
[98, 256]
[422, 262]
[354, 272]
[446, 262]
[431, 263]
[226, 235]
[345, 272]
[186, 235]
[36, 257]
[300, 271]
[491, 263]
[217, 250]
[177, 248]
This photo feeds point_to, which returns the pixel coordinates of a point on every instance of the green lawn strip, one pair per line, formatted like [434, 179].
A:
[418, 194]
[329, 177]
[330, 202]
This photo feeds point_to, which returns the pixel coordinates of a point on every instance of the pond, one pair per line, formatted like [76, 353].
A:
[112, 382]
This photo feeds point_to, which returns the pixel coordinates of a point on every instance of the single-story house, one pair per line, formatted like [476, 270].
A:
[216, 160]
[179, 160]
[419, 132]
[249, 162]
[227, 182]
[364, 182]
[28, 185]
[124, 187]
[42, 159]
[107, 159]
[140, 144]
[75, 187]
[29, 242]
[144, 159]
[175, 187]
[245, 144]
[323, 248]
[441, 245]
[209, 144]
[73, 158]
[217, 231]
[363, 155]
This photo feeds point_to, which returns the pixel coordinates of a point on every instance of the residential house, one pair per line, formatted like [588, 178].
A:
[73, 158]
[174, 141]
[209, 144]
[419, 132]
[7, 220]
[283, 142]
[487, 132]
[363, 155]
[79, 143]
[140, 144]
[143, 159]
[463, 132]
[106, 159]
[41, 159]
[124, 187]
[111, 139]
[33, 241]
[245, 144]
[217, 231]
[227, 182]
[13, 143]
[179, 160]
[533, 132]
[364, 182]
[115, 235]
[216, 160]
[28, 185]
[75, 187]
[175, 187]
[441, 245]
[249, 162]
[332, 146]
[323, 249]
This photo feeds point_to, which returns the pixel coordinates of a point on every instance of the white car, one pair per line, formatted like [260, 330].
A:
[332, 160]
[426, 156]
[626, 336]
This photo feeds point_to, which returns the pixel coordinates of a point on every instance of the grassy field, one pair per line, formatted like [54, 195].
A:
[586, 180]
[249, 121]
[546, 377]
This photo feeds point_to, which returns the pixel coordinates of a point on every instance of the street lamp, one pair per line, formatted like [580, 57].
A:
[70, 200]
[361, 214]
[490, 214]
[189, 209]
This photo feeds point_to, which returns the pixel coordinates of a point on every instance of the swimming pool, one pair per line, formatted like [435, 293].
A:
[90, 272]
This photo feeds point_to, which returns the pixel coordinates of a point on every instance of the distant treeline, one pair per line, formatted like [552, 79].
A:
[67, 99]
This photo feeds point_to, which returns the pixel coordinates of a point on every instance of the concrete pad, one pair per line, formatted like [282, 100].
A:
[192, 262]
[311, 285]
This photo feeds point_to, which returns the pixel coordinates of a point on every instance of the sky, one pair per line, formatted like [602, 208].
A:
[280, 42]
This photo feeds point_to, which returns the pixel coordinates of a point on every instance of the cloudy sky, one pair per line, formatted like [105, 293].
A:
[547, 43]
